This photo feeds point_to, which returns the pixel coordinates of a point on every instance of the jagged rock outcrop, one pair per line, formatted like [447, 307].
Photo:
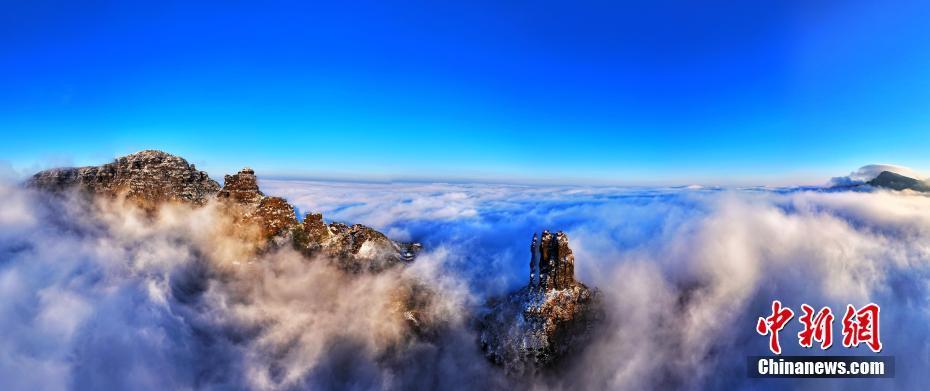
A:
[552, 316]
[148, 178]
[241, 188]
[356, 247]
[555, 261]
[273, 216]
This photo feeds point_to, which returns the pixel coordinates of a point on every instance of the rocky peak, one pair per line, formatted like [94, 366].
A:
[895, 181]
[553, 258]
[152, 177]
[241, 187]
[147, 177]
[273, 216]
[354, 248]
[552, 316]
[316, 229]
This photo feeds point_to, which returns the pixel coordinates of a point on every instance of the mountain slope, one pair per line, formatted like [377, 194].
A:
[148, 177]
[891, 180]
[151, 178]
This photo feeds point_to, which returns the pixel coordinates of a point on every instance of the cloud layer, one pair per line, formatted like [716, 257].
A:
[105, 298]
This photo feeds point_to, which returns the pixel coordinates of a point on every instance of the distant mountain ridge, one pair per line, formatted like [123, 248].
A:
[895, 181]
[151, 178]
[884, 179]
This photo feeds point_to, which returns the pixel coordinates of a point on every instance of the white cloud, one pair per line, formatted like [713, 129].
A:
[172, 303]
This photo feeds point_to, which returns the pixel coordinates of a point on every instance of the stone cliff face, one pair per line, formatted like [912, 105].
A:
[551, 317]
[555, 261]
[241, 196]
[356, 247]
[150, 178]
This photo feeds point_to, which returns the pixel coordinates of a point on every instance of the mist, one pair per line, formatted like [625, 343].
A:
[100, 295]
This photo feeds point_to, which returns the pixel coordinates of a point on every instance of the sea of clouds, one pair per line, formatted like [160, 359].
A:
[103, 296]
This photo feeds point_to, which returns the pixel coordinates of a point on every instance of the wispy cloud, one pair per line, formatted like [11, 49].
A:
[105, 298]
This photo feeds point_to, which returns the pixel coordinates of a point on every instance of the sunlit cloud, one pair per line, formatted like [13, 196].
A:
[107, 297]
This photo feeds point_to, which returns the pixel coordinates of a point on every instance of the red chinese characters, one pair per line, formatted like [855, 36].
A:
[862, 327]
[859, 326]
[773, 324]
[819, 327]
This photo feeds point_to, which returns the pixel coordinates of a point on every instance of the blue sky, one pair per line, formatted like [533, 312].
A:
[569, 92]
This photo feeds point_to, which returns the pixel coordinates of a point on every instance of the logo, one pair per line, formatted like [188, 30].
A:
[859, 326]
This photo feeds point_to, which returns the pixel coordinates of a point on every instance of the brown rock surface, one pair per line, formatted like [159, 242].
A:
[241, 187]
[148, 178]
[272, 216]
[355, 247]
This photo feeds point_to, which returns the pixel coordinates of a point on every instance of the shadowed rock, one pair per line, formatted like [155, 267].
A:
[552, 316]
[884, 180]
[556, 261]
[890, 180]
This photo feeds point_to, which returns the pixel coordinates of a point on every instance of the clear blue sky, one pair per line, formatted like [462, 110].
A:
[645, 92]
